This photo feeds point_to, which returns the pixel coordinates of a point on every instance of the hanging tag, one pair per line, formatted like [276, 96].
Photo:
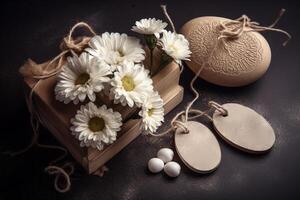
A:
[198, 149]
[244, 128]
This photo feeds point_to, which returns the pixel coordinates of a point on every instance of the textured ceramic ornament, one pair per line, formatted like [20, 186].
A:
[198, 149]
[239, 62]
[244, 128]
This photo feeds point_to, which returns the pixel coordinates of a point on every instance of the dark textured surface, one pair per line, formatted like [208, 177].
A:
[34, 29]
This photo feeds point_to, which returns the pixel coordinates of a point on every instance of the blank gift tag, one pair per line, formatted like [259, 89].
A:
[244, 128]
[199, 149]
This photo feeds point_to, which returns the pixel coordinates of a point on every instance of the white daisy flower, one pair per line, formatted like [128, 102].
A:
[176, 46]
[81, 77]
[115, 49]
[149, 26]
[152, 112]
[96, 126]
[131, 84]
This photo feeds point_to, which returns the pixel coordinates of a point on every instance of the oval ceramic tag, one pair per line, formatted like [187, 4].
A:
[198, 149]
[244, 128]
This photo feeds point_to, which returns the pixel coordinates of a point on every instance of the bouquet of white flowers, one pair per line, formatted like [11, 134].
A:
[112, 64]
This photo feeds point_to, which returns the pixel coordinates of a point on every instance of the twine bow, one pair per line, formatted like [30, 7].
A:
[236, 28]
[69, 44]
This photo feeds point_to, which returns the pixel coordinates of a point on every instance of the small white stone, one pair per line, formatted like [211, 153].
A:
[165, 154]
[155, 165]
[172, 169]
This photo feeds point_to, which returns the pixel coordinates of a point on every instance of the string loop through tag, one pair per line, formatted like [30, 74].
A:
[177, 123]
[218, 107]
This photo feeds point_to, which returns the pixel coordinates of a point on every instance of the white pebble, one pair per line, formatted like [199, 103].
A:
[155, 165]
[165, 154]
[172, 169]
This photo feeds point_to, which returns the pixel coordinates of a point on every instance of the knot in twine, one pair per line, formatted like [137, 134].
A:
[77, 45]
[68, 45]
[236, 28]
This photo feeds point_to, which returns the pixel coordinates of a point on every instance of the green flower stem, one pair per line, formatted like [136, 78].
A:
[151, 62]
[165, 59]
[151, 41]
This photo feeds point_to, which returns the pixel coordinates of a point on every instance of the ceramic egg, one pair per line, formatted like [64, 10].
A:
[165, 154]
[155, 165]
[172, 169]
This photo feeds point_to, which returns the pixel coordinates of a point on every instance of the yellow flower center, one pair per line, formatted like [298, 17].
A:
[82, 79]
[128, 83]
[150, 111]
[173, 48]
[120, 52]
[96, 124]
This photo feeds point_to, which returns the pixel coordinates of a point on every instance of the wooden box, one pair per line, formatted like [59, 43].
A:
[58, 115]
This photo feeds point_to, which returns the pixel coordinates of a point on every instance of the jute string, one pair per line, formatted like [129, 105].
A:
[231, 29]
[68, 45]
[167, 16]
